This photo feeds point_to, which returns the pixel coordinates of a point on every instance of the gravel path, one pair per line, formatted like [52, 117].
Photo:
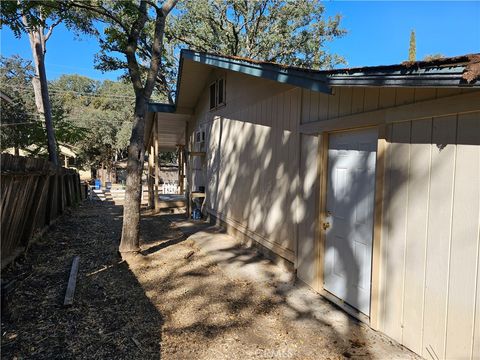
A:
[172, 301]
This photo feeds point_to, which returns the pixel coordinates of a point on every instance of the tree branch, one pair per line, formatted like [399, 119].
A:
[131, 49]
[50, 29]
[167, 6]
[157, 46]
[101, 11]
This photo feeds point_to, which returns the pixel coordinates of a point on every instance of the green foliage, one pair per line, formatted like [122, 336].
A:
[96, 116]
[38, 19]
[92, 116]
[287, 32]
[44, 14]
[20, 126]
[412, 50]
[169, 157]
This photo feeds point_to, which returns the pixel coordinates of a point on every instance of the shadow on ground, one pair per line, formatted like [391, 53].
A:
[111, 317]
[224, 301]
[192, 293]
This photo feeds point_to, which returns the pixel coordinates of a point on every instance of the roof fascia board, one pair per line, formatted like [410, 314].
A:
[160, 107]
[430, 77]
[442, 75]
[312, 81]
[402, 81]
[397, 70]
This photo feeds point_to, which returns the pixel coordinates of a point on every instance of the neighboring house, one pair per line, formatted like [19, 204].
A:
[364, 181]
[67, 155]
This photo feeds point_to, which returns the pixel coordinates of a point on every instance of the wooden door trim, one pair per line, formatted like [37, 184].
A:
[322, 157]
[375, 288]
[322, 198]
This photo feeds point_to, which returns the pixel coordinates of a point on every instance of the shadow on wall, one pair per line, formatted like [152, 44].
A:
[253, 178]
[430, 239]
[256, 186]
[428, 243]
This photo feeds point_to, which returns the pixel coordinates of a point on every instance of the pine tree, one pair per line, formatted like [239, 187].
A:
[412, 51]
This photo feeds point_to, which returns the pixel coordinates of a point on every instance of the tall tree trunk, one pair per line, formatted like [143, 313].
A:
[136, 150]
[40, 86]
[133, 192]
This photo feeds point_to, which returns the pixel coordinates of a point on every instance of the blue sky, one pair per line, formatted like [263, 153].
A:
[378, 33]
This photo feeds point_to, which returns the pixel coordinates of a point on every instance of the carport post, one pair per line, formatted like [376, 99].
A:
[181, 173]
[157, 167]
[186, 160]
[151, 195]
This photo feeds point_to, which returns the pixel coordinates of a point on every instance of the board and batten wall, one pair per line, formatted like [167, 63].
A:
[261, 177]
[429, 280]
[251, 167]
[430, 299]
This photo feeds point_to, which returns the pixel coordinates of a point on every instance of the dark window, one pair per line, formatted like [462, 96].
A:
[221, 92]
[212, 97]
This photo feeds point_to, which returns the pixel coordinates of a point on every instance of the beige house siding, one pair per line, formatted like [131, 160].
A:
[307, 264]
[429, 275]
[251, 167]
[262, 178]
[430, 236]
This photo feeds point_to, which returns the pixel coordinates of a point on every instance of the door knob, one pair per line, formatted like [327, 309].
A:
[326, 225]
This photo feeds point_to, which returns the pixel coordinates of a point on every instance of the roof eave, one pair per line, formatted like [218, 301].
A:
[161, 107]
[402, 81]
[312, 81]
[451, 76]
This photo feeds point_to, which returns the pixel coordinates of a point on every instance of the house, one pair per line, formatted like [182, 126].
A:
[364, 181]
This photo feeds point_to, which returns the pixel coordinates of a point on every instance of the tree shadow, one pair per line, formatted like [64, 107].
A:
[256, 289]
[252, 174]
[107, 318]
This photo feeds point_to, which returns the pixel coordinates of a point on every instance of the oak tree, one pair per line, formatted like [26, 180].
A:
[126, 24]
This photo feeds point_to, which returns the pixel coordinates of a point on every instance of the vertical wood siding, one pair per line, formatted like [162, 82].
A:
[262, 176]
[431, 236]
[430, 276]
[252, 163]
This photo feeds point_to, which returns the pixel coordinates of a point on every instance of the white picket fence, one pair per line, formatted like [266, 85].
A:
[169, 188]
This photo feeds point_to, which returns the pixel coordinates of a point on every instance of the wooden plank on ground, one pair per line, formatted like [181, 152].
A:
[72, 282]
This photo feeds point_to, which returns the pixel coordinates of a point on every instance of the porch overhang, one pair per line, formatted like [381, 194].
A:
[166, 125]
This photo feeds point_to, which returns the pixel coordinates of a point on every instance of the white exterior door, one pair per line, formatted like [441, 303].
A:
[349, 222]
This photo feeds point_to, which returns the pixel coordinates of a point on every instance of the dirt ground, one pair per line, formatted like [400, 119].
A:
[172, 301]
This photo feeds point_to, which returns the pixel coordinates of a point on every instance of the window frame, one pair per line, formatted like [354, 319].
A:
[223, 103]
[216, 101]
[214, 84]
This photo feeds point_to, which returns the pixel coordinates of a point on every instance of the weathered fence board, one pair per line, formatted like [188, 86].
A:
[33, 194]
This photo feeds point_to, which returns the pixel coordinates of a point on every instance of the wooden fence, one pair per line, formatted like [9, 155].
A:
[33, 194]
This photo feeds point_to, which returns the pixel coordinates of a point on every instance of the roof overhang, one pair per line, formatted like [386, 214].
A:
[195, 68]
[311, 80]
[448, 76]
[170, 130]
[459, 71]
